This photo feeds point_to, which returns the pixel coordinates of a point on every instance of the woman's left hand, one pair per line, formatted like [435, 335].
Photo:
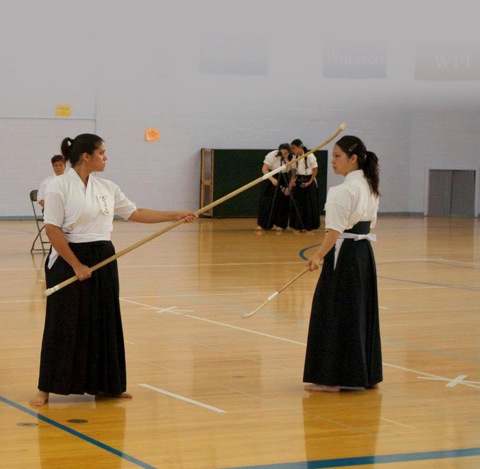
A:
[188, 216]
[314, 262]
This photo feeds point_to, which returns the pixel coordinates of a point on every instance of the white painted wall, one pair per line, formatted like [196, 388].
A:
[236, 74]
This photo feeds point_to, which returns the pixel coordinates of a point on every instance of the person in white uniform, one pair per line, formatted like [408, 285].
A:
[304, 211]
[58, 165]
[343, 346]
[83, 346]
[274, 200]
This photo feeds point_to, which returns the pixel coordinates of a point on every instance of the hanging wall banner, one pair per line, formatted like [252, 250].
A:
[354, 59]
[441, 61]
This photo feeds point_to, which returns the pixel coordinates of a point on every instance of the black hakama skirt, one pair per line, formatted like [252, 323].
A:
[343, 347]
[273, 204]
[304, 210]
[83, 348]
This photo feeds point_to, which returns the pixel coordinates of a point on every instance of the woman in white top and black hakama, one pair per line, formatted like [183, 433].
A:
[344, 347]
[304, 211]
[83, 347]
[274, 200]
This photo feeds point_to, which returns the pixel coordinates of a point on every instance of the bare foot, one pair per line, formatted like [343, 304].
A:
[123, 395]
[258, 228]
[321, 388]
[373, 386]
[40, 399]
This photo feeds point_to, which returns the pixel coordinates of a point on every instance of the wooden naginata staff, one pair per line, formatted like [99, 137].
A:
[275, 294]
[63, 284]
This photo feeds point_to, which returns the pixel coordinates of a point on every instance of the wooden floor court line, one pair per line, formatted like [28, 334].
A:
[182, 398]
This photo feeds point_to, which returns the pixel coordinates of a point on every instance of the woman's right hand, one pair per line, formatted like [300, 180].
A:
[274, 182]
[82, 272]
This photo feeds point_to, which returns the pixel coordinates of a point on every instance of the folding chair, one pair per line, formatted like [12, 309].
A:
[40, 227]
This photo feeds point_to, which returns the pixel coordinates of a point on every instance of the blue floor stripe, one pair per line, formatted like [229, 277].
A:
[363, 460]
[304, 250]
[73, 432]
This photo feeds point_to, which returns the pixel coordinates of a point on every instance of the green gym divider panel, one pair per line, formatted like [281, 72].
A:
[225, 170]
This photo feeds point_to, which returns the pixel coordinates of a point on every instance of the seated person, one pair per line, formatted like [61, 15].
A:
[58, 164]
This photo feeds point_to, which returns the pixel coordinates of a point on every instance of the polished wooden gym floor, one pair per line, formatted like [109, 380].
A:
[215, 391]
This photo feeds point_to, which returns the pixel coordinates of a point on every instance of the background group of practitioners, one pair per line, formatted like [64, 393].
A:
[83, 345]
[290, 197]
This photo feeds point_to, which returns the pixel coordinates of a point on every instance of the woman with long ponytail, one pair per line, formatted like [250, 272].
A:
[274, 200]
[304, 210]
[343, 346]
[83, 347]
